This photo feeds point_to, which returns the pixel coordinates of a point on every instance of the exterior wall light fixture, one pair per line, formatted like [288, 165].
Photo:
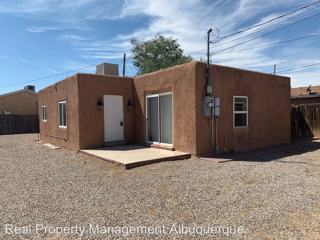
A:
[130, 105]
[100, 104]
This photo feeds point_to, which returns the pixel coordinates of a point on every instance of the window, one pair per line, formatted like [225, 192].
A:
[240, 112]
[62, 114]
[159, 118]
[44, 112]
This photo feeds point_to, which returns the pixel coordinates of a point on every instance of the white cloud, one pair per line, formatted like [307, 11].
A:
[73, 37]
[59, 27]
[305, 77]
[65, 11]
[77, 66]
[14, 60]
[53, 71]
[35, 29]
[4, 57]
[187, 21]
[23, 60]
[41, 6]
[93, 49]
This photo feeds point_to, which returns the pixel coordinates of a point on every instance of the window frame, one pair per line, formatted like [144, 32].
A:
[240, 112]
[44, 117]
[59, 114]
[158, 95]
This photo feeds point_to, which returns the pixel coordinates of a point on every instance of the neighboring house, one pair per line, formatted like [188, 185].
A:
[22, 102]
[165, 108]
[305, 95]
[305, 111]
[19, 112]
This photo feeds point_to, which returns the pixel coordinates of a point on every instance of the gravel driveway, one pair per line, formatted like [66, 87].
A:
[276, 197]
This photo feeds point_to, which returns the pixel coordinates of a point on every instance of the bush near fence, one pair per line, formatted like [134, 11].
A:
[17, 124]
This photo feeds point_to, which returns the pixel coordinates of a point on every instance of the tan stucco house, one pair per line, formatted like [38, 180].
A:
[168, 108]
[21, 102]
[305, 95]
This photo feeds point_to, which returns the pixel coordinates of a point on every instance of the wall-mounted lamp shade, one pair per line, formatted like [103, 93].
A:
[130, 105]
[100, 104]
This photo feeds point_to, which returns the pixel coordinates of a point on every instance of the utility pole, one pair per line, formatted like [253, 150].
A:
[215, 101]
[275, 69]
[124, 65]
[208, 73]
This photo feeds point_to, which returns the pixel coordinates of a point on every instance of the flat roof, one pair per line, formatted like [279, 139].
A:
[213, 65]
[79, 73]
[169, 68]
[306, 96]
[303, 91]
[19, 91]
[247, 70]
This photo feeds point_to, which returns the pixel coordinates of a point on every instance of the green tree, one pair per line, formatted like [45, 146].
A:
[157, 53]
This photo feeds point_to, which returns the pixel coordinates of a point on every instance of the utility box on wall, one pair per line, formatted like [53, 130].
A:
[216, 111]
[207, 106]
[211, 106]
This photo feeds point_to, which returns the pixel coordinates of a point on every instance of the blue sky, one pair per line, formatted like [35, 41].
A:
[41, 38]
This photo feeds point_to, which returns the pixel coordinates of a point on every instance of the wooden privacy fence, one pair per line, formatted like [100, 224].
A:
[305, 120]
[15, 124]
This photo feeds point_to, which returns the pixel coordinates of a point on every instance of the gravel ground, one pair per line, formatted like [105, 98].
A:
[276, 197]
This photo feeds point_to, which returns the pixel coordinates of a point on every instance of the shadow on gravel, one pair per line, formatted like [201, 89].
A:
[276, 153]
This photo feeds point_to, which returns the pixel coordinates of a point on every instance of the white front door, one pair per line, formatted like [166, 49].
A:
[113, 118]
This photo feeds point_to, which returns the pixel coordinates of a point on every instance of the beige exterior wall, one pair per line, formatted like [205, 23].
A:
[85, 127]
[19, 103]
[91, 89]
[269, 113]
[268, 100]
[50, 131]
[179, 80]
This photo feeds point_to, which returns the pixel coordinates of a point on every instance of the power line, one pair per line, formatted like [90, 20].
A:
[252, 39]
[296, 53]
[46, 77]
[51, 76]
[271, 20]
[261, 30]
[298, 68]
[278, 29]
[131, 66]
[272, 44]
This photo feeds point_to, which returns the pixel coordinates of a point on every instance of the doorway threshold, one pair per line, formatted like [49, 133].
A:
[161, 146]
[114, 143]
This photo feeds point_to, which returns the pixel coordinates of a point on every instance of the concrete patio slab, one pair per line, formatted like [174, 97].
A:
[135, 155]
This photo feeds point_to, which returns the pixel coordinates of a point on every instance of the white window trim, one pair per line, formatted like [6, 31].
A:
[146, 103]
[236, 112]
[42, 115]
[61, 102]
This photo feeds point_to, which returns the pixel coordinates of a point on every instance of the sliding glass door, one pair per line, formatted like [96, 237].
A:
[153, 119]
[166, 118]
[159, 118]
